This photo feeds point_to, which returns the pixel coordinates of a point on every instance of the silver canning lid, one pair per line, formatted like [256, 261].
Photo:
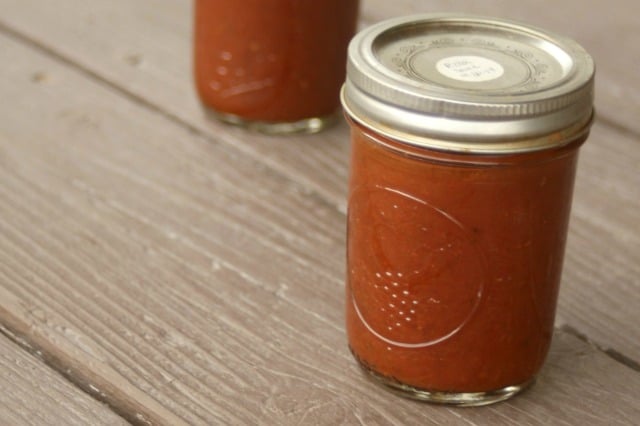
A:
[467, 83]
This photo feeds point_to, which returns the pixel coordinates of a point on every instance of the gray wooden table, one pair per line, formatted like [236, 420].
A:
[157, 267]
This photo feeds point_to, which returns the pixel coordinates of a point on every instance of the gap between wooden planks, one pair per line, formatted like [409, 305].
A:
[33, 394]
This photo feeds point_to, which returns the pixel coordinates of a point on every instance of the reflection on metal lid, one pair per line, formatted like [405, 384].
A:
[479, 83]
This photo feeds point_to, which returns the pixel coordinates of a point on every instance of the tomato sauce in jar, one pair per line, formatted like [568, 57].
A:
[465, 137]
[276, 66]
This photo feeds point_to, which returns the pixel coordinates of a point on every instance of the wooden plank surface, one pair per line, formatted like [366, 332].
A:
[133, 259]
[600, 290]
[33, 394]
[148, 59]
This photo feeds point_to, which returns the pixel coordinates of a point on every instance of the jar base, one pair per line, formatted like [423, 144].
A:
[305, 125]
[460, 399]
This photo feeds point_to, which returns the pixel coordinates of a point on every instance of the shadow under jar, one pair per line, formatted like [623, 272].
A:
[465, 137]
[274, 66]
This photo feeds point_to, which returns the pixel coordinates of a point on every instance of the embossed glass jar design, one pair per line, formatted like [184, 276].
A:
[465, 137]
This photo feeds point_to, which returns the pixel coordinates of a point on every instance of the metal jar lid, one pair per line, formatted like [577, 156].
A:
[469, 84]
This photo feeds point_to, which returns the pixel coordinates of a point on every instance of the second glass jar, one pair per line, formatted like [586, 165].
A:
[275, 66]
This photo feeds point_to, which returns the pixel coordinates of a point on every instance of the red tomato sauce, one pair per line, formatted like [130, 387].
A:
[454, 261]
[277, 60]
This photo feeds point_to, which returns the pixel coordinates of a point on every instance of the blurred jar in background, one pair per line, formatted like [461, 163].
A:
[272, 65]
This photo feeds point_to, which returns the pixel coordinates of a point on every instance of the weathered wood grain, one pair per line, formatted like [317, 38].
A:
[132, 259]
[33, 394]
[600, 293]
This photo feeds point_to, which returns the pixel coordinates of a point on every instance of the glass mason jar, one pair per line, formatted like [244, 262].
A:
[465, 137]
[275, 66]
